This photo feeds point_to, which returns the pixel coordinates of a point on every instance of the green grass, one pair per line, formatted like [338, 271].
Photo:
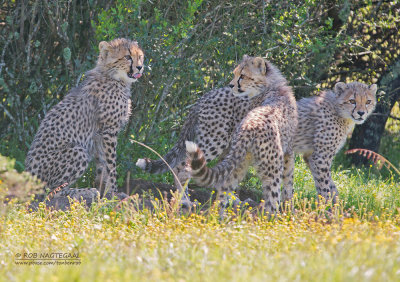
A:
[359, 240]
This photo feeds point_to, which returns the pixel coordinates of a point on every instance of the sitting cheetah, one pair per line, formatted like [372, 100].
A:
[85, 124]
[324, 123]
[261, 130]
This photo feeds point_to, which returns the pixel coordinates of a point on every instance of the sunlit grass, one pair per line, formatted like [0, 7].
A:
[359, 239]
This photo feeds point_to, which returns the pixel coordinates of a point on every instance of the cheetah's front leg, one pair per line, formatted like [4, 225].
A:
[320, 166]
[182, 171]
[288, 169]
[106, 175]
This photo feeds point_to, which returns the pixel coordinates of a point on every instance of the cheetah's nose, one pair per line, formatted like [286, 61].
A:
[139, 67]
[360, 113]
[231, 85]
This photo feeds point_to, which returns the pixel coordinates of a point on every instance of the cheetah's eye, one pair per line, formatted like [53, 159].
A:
[352, 101]
[129, 58]
[368, 102]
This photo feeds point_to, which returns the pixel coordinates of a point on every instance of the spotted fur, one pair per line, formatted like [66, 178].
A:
[211, 124]
[324, 123]
[263, 138]
[85, 124]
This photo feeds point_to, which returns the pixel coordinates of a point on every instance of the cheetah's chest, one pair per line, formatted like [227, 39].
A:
[115, 113]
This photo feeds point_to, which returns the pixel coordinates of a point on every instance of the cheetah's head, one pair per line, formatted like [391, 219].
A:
[356, 100]
[122, 59]
[252, 76]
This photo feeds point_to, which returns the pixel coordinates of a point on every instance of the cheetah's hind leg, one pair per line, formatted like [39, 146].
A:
[68, 165]
[287, 189]
[271, 182]
[183, 173]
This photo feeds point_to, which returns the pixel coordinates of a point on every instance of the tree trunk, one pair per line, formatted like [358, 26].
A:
[368, 135]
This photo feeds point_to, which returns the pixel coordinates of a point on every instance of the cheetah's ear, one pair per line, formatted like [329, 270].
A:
[373, 88]
[245, 57]
[104, 47]
[340, 87]
[261, 65]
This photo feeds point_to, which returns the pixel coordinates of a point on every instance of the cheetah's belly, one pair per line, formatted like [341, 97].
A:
[303, 143]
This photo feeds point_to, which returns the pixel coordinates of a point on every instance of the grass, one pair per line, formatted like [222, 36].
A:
[359, 240]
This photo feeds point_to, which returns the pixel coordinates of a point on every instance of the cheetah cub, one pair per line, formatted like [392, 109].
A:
[85, 124]
[263, 138]
[214, 118]
[324, 123]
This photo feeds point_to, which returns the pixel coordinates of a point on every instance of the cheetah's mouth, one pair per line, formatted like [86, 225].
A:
[134, 75]
[358, 120]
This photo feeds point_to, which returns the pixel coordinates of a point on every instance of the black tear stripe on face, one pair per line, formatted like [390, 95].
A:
[238, 81]
[366, 105]
[355, 105]
[266, 68]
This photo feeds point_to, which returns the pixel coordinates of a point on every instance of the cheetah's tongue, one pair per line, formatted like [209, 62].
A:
[137, 75]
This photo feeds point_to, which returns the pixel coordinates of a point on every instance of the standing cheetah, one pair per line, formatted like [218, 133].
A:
[262, 138]
[85, 124]
[324, 123]
[211, 124]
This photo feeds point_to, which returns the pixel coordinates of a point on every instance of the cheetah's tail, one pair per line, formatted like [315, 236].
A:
[176, 155]
[159, 166]
[222, 173]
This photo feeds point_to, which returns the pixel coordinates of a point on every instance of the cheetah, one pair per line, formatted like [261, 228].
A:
[324, 123]
[211, 123]
[260, 133]
[84, 125]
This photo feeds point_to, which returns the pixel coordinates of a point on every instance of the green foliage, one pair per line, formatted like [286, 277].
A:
[45, 46]
[190, 47]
